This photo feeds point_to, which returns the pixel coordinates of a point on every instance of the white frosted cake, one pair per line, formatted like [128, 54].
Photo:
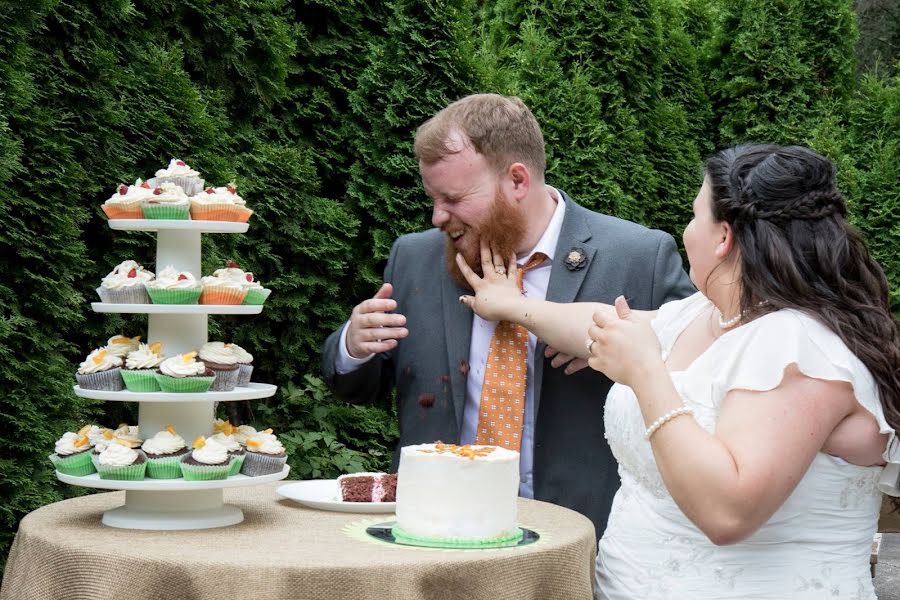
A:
[457, 495]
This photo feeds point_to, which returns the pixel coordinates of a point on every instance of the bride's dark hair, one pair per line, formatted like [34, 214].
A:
[797, 250]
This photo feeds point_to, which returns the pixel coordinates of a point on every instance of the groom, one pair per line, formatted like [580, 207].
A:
[482, 163]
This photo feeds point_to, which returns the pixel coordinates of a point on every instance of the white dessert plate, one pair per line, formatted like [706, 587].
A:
[324, 495]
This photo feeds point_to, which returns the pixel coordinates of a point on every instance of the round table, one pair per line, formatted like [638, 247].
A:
[285, 550]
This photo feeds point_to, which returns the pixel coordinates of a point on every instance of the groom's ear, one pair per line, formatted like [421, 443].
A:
[517, 181]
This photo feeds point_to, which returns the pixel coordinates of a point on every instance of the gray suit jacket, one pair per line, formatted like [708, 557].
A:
[573, 465]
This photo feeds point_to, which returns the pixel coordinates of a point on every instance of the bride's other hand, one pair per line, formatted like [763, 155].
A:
[623, 346]
[496, 291]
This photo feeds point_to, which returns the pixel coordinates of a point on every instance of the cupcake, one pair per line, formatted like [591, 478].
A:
[183, 373]
[128, 433]
[208, 460]
[139, 373]
[220, 204]
[256, 293]
[235, 450]
[121, 345]
[173, 287]
[100, 371]
[222, 288]
[244, 359]
[126, 202]
[125, 284]
[242, 433]
[221, 360]
[72, 453]
[164, 453]
[119, 461]
[180, 174]
[168, 201]
[106, 438]
[265, 455]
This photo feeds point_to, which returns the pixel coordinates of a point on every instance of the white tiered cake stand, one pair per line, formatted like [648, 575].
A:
[170, 504]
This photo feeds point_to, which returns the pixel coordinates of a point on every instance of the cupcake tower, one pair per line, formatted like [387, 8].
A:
[175, 331]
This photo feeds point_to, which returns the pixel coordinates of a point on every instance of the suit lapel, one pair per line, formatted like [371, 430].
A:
[458, 336]
[564, 283]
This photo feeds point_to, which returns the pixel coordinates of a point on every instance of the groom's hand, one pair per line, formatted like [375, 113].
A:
[373, 328]
[573, 363]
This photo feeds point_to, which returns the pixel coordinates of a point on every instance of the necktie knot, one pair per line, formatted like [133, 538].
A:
[536, 260]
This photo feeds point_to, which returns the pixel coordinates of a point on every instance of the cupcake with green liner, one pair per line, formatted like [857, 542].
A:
[174, 287]
[100, 444]
[126, 202]
[220, 204]
[164, 453]
[222, 289]
[208, 460]
[121, 345]
[72, 454]
[179, 173]
[121, 462]
[125, 284]
[221, 360]
[139, 373]
[168, 201]
[235, 450]
[265, 455]
[100, 371]
[184, 374]
[244, 359]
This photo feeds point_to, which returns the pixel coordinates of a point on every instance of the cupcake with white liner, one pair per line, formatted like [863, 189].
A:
[208, 460]
[126, 202]
[244, 359]
[265, 455]
[125, 284]
[164, 453]
[221, 360]
[72, 453]
[172, 286]
[120, 461]
[121, 345]
[139, 373]
[100, 371]
[184, 374]
[179, 173]
[220, 204]
[235, 450]
[222, 289]
[242, 433]
[168, 201]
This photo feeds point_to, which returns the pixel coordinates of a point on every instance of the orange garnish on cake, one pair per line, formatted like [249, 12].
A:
[84, 430]
[254, 444]
[199, 442]
[218, 428]
[80, 441]
[156, 348]
[108, 434]
[188, 357]
[99, 358]
[170, 429]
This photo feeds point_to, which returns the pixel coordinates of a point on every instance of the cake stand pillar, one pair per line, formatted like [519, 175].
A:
[168, 511]
[190, 419]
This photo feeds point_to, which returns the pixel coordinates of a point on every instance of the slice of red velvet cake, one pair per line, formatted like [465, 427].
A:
[368, 487]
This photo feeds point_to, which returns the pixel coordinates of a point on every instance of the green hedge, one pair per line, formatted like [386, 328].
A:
[311, 109]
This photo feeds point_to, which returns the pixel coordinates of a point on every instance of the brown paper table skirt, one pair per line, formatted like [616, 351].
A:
[284, 550]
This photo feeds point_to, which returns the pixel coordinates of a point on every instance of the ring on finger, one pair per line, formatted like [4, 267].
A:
[500, 270]
[588, 343]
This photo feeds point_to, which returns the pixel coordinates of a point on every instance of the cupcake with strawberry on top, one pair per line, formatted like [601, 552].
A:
[126, 202]
[125, 284]
[172, 286]
[220, 204]
[168, 201]
[184, 374]
[223, 287]
[179, 173]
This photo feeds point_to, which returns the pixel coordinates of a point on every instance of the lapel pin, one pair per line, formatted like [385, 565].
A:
[576, 259]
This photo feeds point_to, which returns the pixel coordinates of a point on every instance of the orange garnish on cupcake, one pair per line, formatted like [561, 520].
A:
[254, 443]
[99, 358]
[108, 434]
[156, 348]
[170, 429]
[188, 357]
[85, 429]
[269, 431]
[227, 428]
[80, 441]
[199, 442]
[222, 427]
[127, 443]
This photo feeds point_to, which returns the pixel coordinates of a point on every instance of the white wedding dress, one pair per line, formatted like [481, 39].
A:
[817, 544]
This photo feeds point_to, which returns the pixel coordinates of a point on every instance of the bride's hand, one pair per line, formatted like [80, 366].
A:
[623, 346]
[496, 292]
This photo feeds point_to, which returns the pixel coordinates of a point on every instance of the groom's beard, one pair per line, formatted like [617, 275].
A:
[503, 228]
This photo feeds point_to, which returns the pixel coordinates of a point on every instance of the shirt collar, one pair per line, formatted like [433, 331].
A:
[547, 243]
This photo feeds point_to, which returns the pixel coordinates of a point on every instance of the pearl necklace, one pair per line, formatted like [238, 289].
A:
[729, 323]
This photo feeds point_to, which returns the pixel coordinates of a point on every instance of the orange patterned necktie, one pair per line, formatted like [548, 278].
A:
[503, 391]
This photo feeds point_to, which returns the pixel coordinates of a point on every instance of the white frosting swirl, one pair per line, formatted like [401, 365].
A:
[164, 443]
[117, 455]
[99, 360]
[228, 441]
[66, 445]
[133, 193]
[120, 277]
[215, 281]
[212, 453]
[245, 278]
[177, 170]
[120, 345]
[143, 358]
[268, 443]
[243, 433]
[218, 352]
[171, 279]
[177, 366]
[242, 356]
[168, 193]
[219, 195]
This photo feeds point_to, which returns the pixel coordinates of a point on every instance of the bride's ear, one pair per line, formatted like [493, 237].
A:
[726, 244]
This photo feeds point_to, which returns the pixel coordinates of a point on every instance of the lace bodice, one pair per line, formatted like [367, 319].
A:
[815, 546]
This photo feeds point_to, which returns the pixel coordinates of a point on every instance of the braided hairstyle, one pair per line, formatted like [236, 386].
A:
[797, 250]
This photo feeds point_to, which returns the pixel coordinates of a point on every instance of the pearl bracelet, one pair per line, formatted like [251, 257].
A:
[675, 412]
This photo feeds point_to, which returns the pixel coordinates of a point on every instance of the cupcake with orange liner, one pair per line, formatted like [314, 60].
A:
[100, 371]
[220, 204]
[265, 454]
[164, 453]
[183, 373]
[256, 293]
[208, 460]
[168, 201]
[224, 436]
[121, 461]
[139, 373]
[125, 284]
[179, 173]
[72, 453]
[126, 202]
[222, 289]
[221, 360]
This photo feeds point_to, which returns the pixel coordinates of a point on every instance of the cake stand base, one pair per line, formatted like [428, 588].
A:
[167, 511]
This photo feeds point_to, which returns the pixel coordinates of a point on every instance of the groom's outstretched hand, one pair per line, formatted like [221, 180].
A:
[373, 327]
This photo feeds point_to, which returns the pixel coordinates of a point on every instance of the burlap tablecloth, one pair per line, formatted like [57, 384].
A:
[284, 550]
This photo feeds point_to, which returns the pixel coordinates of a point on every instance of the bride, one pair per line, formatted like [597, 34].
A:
[751, 421]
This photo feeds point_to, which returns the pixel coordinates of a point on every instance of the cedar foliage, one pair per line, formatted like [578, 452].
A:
[311, 106]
